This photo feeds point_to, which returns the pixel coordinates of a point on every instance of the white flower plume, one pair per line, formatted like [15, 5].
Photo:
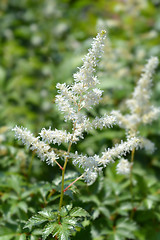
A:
[140, 104]
[43, 150]
[141, 109]
[55, 136]
[94, 164]
[83, 93]
[123, 167]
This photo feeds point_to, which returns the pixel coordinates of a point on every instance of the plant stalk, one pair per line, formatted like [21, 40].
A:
[62, 186]
[58, 165]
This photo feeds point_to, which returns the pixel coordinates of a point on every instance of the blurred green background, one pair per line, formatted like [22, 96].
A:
[42, 43]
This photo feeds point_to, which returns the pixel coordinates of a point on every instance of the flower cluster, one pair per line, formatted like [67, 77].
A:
[71, 99]
[83, 93]
[94, 164]
[43, 150]
[141, 110]
[123, 167]
[120, 150]
[55, 136]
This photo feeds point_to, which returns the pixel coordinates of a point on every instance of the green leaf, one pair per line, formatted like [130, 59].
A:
[48, 214]
[71, 222]
[142, 186]
[23, 206]
[91, 198]
[60, 230]
[148, 203]
[116, 237]
[48, 229]
[65, 210]
[124, 229]
[14, 182]
[56, 230]
[104, 211]
[21, 237]
[125, 233]
[37, 232]
[7, 237]
[96, 214]
[35, 220]
[126, 224]
[63, 233]
[33, 238]
[79, 212]
[6, 233]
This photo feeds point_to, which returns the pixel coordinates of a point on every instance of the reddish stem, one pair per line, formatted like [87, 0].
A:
[59, 165]
[72, 183]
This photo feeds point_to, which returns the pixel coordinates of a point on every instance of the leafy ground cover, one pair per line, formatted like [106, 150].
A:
[42, 43]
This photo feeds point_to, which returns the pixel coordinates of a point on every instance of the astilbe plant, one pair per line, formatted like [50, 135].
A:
[73, 101]
[141, 112]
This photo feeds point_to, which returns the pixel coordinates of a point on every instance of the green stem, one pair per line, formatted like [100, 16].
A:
[62, 186]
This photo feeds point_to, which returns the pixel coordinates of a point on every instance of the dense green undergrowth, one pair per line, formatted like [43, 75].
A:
[42, 43]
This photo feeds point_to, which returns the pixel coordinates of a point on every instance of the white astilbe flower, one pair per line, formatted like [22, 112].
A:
[123, 167]
[142, 91]
[90, 176]
[83, 93]
[90, 61]
[94, 164]
[104, 122]
[71, 99]
[148, 145]
[126, 121]
[55, 136]
[86, 125]
[65, 107]
[140, 102]
[86, 162]
[90, 164]
[78, 132]
[43, 150]
[120, 150]
[141, 110]
[91, 98]
[152, 114]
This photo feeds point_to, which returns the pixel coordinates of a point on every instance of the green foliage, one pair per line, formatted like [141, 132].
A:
[69, 221]
[42, 43]
[115, 214]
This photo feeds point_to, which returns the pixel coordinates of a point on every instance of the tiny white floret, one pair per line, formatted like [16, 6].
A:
[123, 167]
